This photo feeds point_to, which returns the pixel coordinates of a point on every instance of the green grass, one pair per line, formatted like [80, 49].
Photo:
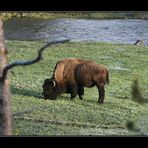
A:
[75, 117]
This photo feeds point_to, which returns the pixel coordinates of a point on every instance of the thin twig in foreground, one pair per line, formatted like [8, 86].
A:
[35, 60]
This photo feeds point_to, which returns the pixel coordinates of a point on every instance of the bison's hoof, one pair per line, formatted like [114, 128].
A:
[100, 101]
[81, 98]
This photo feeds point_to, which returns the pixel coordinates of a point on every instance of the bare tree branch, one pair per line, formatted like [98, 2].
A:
[25, 63]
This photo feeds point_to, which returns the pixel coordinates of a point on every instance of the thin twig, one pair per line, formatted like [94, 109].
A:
[29, 110]
[23, 112]
[35, 60]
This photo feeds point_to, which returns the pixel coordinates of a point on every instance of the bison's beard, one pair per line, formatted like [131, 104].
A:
[52, 95]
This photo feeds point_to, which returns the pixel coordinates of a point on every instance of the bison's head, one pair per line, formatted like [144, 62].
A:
[49, 90]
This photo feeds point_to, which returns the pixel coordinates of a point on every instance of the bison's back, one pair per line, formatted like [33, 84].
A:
[88, 73]
[68, 73]
[64, 70]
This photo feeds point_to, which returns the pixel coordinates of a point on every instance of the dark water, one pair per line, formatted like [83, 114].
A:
[115, 30]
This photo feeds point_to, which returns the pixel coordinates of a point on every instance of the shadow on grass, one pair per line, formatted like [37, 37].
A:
[84, 102]
[91, 101]
[25, 92]
[61, 97]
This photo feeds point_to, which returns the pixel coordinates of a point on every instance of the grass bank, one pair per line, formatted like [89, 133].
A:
[86, 15]
[75, 117]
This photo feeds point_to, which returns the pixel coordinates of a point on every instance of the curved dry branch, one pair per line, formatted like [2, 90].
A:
[35, 60]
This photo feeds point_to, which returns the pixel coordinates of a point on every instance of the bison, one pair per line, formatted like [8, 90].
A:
[71, 75]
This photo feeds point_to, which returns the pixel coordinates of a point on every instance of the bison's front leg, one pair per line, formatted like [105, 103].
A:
[73, 91]
[80, 92]
[101, 92]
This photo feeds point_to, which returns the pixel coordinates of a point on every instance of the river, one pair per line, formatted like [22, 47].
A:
[113, 30]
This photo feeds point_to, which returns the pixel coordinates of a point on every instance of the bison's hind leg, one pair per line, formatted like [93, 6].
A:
[101, 92]
[80, 92]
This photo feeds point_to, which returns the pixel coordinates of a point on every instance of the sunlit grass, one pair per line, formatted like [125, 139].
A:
[75, 117]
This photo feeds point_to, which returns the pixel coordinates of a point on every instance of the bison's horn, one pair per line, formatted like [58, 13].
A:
[54, 83]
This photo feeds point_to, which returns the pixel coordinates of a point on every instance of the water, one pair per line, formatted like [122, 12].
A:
[115, 30]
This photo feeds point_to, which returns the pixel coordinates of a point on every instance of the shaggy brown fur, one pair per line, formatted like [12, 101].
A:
[72, 75]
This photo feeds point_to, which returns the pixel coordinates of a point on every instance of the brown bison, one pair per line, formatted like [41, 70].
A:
[71, 75]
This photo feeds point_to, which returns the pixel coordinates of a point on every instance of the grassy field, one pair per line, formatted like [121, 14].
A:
[78, 117]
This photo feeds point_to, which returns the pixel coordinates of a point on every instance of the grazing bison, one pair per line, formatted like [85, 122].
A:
[71, 75]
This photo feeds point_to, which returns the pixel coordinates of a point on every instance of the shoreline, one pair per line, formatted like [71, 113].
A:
[79, 15]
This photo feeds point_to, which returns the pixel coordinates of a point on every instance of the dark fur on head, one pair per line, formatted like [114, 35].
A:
[48, 89]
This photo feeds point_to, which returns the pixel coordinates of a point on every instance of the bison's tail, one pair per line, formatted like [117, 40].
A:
[107, 76]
